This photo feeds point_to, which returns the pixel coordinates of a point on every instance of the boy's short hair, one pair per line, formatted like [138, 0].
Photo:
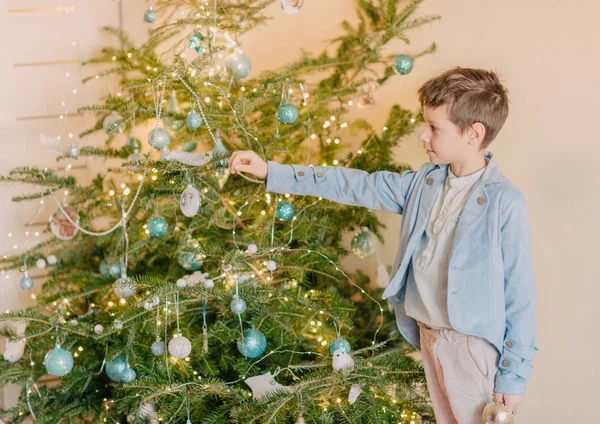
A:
[471, 95]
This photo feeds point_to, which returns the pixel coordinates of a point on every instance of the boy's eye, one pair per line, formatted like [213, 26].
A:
[433, 128]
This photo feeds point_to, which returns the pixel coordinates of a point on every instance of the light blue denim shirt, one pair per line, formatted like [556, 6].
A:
[491, 289]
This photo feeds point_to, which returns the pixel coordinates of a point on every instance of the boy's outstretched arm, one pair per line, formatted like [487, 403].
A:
[520, 300]
[381, 190]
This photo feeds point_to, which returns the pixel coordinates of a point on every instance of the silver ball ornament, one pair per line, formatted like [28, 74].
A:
[238, 305]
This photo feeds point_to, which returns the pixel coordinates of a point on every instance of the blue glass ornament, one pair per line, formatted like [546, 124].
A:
[403, 64]
[133, 144]
[128, 375]
[106, 269]
[113, 124]
[26, 283]
[189, 146]
[159, 138]
[150, 15]
[158, 227]
[288, 114]
[340, 344]
[253, 344]
[116, 367]
[239, 64]
[238, 305]
[364, 244]
[196, 42]
[58, 362]
[193, 120]
[158, 347]
[285, 211]
[192, 256]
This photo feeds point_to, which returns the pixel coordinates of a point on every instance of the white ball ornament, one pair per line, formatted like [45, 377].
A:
[40, 263]
[98, 329]
[51, 260]
[181, 283]
[252, 249]
[271, 266]
[179, 346]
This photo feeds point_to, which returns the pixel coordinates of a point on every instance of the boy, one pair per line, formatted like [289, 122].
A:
[462, 284]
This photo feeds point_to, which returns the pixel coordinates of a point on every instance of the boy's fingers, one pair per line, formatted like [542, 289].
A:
[243, 168]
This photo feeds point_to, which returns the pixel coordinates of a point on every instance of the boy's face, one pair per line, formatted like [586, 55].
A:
[443, 140]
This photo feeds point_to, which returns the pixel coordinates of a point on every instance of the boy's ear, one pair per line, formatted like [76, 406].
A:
[476, 133]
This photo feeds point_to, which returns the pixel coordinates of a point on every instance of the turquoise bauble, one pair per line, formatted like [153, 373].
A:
[26, 283]
[189, 146]
[239, 64]
[193, 120]
[253, 344]
[159, 138]
[128, 375]
[58, 362]
[190, 262]
[238, 305]
[364, 244]
[106, 269]
[116, 367]
[158, 227]
[192, 255]
[403, 64]
[113, 124]
[150, 15]
[133, 144]
[340, 344]
[285, 211]
[158, 348]
[288, 114]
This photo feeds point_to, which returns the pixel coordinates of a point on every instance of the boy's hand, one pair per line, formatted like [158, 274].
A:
[510, 401]
[248, 161]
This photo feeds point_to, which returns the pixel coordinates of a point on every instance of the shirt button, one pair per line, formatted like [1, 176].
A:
[301, 173]
[509, 344]
[429, 181]
[320, 174]
[506, 362]
[481, 200]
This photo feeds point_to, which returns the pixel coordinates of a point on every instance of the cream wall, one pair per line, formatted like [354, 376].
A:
[545, 53]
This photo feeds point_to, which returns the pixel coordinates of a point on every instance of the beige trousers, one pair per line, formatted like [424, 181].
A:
[460, 372]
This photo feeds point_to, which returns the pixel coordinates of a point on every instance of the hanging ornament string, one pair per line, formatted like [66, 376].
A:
[237, 296]
[166, 350]
[29, 402]
[117, 225]
[159, 99]
[204, 328]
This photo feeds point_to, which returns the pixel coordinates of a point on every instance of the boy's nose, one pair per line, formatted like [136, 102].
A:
[423, 137]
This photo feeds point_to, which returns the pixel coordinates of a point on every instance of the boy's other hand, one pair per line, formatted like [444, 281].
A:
[248, 161]
[510, 401]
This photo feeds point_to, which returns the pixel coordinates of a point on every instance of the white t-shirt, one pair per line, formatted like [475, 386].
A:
[427, 285]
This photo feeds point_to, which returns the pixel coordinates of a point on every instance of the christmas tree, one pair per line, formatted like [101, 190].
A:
[178, 293]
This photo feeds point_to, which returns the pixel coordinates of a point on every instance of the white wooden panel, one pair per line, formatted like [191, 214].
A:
[44, 36]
